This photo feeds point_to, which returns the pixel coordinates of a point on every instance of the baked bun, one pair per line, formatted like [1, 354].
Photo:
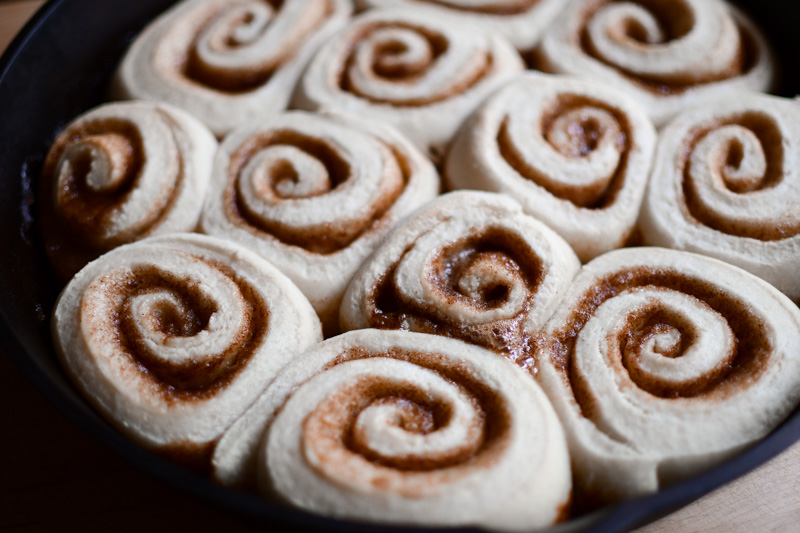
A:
[411, 68]
[575, 153]
[119, 173]
[314, 195]
[226, 61]
[726, 183]
[522, 22]
[669, 55]
[663, 363]
[469, 265]
[406, 428]
[172, 338]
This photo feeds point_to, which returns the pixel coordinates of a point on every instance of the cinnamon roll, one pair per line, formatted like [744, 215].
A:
[669, 55]
[662, 363]
[119, 173]
[172, 338]
[574, 153]
[726, 183]
[228, 61]
[522, 22]
[469, 265]
[315, 195]
[409, 68]
[401, 427]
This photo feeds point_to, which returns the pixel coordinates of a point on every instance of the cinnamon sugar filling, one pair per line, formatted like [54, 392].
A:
[385, 67]
[584, 135]
[321, 239]
[771, 141]
[74, 222]
[675, 20]
[421, 414]
[83, 208]
[390, 310]
[198, 379]
[751, 352]
[237, 79]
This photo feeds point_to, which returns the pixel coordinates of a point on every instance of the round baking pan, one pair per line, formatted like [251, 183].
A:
[59, 66]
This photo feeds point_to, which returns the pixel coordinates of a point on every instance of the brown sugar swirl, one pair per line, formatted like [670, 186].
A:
[401, 427]
[172, 338]
[469, 265]
[314, 194]
[409, 68]
[119, 173]
[669, 55]
[574, 153]
[522, 22]
[662, 363]
[726, 184]
[228, 62]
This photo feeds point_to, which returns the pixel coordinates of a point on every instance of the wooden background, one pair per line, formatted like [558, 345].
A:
[56, 478]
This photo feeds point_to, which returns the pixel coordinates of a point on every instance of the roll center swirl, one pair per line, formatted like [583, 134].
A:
[733, 178]
[402, 64]
[96, 171]
[168, 320]
[319, 193]
[238, 49]
[667, 47]
[387, 429]
[576, 148]
[399, 426]
[479, 288]
[675, 336]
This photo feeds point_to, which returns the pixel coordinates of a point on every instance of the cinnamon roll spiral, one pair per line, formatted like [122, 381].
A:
[576, 154]
[726, 183]
[663, 363]
[411, 69]
[401, 427]
[228, 61]
[669, 55]
[172, 338]
[469, 265]
[119, 173]
[522, 22]
[314, 195]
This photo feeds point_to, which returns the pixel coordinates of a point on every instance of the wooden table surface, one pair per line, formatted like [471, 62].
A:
[56, 478]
